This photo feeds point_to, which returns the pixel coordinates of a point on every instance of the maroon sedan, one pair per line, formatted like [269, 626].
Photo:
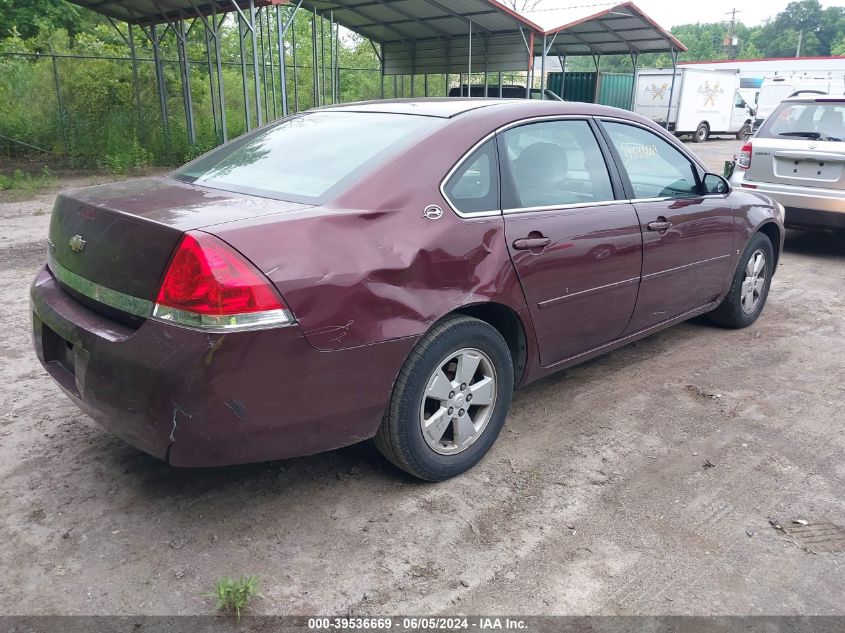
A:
[388, 269]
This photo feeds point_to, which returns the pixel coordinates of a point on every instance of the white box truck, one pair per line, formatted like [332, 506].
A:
[704, 102]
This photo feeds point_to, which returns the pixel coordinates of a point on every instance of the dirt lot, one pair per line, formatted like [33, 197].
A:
[599, 496]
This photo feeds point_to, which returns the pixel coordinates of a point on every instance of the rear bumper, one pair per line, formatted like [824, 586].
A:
[805, 206]
[200, 399]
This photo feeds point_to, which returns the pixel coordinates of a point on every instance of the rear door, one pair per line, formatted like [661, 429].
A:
[687, 237]
[576, 247]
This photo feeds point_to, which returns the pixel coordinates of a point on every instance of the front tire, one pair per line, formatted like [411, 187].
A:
[750, 286]
[449, 401]
[744, 132]
[702, 133]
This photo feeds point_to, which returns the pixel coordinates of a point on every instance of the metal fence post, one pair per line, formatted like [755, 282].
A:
[60, 101]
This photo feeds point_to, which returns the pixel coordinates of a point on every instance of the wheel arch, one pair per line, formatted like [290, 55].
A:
[508, 323]
[773, 232]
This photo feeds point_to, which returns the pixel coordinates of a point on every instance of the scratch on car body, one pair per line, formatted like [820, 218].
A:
[176, 411]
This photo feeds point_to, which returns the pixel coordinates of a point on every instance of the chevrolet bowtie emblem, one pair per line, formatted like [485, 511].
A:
[76, 243]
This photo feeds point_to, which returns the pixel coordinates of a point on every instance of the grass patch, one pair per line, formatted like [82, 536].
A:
[233, 595]
[21, 184]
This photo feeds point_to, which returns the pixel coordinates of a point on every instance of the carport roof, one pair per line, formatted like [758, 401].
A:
[623, 28]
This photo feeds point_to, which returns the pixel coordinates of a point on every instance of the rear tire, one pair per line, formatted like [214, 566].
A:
[750, 286]
[433, 428]
[702, 133]
[744, 132]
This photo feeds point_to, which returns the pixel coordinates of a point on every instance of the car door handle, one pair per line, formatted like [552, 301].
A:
[530, 243]
[659, 226]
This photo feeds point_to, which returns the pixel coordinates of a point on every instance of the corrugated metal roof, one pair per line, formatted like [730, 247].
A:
[431, 36]
[620, 29]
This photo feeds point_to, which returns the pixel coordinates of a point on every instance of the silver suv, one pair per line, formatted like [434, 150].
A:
[798, 158]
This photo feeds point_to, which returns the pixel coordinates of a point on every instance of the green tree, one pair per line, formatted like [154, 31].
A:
[27, 17]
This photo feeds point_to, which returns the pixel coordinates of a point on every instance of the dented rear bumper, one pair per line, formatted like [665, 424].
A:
[199, 399]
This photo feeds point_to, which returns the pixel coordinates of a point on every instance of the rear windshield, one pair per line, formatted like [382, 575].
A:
[308, 157]
[818, 121]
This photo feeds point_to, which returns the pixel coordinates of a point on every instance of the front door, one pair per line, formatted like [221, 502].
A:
[687, 236]
[576, 249]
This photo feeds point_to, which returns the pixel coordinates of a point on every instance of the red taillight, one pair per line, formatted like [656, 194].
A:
[210, 285]
[744, 159]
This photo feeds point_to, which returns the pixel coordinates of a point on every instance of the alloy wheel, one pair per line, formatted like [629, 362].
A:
[754, 282]
[458, 401]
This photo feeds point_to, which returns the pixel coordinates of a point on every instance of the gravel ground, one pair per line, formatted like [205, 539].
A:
[641, 482]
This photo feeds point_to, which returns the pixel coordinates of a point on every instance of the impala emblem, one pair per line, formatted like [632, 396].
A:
[433, 212]
[76, 243]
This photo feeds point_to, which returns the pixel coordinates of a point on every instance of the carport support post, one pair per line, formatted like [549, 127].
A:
[293, 61]
[162, 96]
[672, 88]
[331, 55]
[244, 83]
[562, 61]
[635, 59]
[280, 37]
[316, 99]
[185, 77]
[381, 68]
[322, 59]
[268, 19]
[135, 87]
[281, 32]
[255, 78]
[207, 33]
[221, 102]
[469, 61]
[543, 71]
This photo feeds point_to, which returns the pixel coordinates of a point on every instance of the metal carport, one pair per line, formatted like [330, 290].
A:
[410, 37]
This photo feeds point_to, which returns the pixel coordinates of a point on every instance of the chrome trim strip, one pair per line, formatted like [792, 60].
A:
[564, 207]
[582, 293]
[223, 324]
[669, 271]
[106, 296]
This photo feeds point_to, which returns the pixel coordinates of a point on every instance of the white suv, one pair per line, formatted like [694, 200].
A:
[798, 158]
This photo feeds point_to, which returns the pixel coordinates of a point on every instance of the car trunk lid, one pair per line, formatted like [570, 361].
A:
[802, 162]
[110, 244]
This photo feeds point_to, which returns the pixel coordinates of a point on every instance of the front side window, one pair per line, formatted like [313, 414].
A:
[474, 187]
[307, 157]
[821, 121]
[655, 168]
[553, 163]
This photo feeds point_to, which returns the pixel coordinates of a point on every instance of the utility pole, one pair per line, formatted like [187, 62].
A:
[800, 41]
[731, 41]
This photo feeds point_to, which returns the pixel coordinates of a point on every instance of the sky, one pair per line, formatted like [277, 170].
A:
[669, 13]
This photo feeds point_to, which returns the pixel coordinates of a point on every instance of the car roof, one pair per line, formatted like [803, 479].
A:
[809, 98]
[443, 108]
[451, 107]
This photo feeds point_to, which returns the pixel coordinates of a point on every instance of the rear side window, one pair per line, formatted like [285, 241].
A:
[823, 121]
[308, 157]
[474, 187]
[655, 168]
[553, 164]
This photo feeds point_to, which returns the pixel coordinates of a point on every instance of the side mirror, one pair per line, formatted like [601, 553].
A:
[715, 184]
